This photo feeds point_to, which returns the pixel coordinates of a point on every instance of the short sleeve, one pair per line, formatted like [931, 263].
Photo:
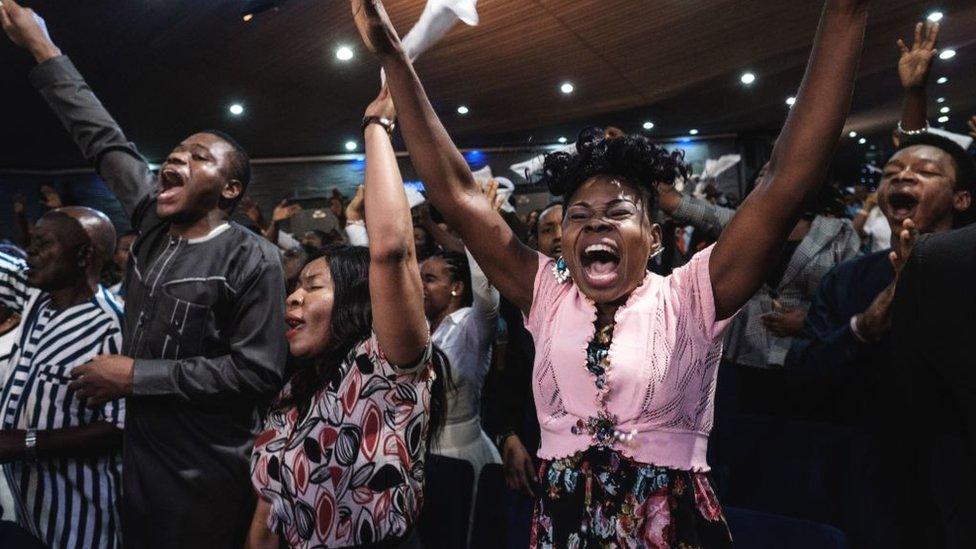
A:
[545, 291]
[693, 287]
[113, 411]
[371, 349]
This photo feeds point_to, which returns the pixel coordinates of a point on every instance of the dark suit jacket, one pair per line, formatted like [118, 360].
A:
[933, 334]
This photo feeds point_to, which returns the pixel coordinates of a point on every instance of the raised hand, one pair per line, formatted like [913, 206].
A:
[356, 210]
[50, 197]
[284, 211]
[382, 106]
[491, 193]
[784, 321]
[28, 30]
[915, 62]
[375, 27]
[906, 242]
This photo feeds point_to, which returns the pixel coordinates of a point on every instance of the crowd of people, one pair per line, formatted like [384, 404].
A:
[200, 381]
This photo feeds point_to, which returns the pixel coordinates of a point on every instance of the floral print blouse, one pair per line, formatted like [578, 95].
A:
[351, 470]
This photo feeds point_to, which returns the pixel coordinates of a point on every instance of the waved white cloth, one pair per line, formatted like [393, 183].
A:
[715, 168]
[505, 186]
[534, 165]
[438, 17]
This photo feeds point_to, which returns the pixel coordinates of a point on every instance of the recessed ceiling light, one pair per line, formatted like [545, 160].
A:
[747, 78]
[463, 110]
[936, 16]
[947, 54]
[693, 132]
[852, 134]
[943, 119]
[344, 53]
[940, 100]
[944, 110]
[790, 100]
[351, 146]
[567, 88]
[562, 140]
[236, 109]
[862, 141]
[648, 125]
[942, 80]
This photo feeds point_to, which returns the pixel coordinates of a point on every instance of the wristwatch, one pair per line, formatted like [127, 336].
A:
[388, 125]
[30, 444]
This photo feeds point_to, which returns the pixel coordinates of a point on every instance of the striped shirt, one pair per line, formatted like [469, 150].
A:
[65, 502]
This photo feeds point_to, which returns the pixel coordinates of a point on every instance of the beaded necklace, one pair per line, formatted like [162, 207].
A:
[603, 427]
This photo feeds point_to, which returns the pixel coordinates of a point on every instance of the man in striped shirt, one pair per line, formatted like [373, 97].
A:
[62, 459]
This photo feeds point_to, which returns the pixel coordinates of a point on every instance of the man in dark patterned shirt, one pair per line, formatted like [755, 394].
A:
[203, 343]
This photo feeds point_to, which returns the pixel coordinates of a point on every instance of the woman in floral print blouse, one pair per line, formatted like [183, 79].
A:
[341, 460]
[625, 361]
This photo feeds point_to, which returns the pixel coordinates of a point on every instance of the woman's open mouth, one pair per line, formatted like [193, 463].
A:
[600, 264]
[294, 325]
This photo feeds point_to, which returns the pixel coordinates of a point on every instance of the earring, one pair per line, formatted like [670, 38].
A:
[656, 252]
[560, 270]
[453, 293]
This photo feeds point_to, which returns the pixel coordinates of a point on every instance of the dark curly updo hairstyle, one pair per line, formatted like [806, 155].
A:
[633, 158]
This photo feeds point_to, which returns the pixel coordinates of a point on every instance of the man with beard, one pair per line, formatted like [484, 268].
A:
[63, 460]
[204, 344]
[842, 366]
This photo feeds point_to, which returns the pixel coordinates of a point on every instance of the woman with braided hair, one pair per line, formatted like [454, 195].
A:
[625, 365]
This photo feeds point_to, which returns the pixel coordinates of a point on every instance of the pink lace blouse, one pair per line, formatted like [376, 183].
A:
[663, 363]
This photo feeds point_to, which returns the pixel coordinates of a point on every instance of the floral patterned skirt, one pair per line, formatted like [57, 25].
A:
[599, 498]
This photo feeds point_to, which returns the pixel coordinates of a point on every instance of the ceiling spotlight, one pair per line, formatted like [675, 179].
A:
[344, 53]
[936, 16]
[693, 132]
[852, 134]
[944, 110]
[862, 141]
[462, 110]
[940, 100]
[351, 146]
[943, 119]
[947, 54]
[747, 78]
[648, 125]
[255, 7]
[236, 109]
[790, 100]
[562, 140]
[942, 80]
[567, 88]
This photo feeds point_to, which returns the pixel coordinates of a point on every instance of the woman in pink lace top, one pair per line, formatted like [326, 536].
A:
[626, 360]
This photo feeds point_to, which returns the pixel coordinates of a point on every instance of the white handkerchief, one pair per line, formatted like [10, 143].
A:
[438, 18]
[535, 164]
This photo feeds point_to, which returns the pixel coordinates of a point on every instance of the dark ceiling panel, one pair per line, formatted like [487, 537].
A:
[168, 68]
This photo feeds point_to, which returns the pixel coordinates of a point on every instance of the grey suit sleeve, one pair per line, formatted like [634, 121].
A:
[94, 130]
[256, 362]
[703, 215]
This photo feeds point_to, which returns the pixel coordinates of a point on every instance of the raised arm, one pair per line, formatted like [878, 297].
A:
[509, 264]
[748, 246]
[914, 66]
[395, 289]
[93, 129]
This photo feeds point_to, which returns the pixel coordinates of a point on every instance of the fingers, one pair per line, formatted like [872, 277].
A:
[932, 36]
[902, 47]
[918, 36]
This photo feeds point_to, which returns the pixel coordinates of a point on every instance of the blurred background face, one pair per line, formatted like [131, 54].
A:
[436, 277]
[54, 255]
[192, 178]
[420, 239]
[550, 231]
[918, 183]
[121, 256]
[312, 240]
[308, 311]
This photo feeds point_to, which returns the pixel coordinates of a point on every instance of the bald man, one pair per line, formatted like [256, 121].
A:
[61, 458]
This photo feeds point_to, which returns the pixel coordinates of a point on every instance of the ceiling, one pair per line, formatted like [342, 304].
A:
[166, 68]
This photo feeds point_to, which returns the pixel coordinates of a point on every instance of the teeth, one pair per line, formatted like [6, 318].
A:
[599, 248]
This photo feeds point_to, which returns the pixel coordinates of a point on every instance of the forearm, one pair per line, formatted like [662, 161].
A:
[388, 222]
[85, 441]
[259, 536]
[445, 239]
[914, 115]
[199, 378]
[93, 129]
[486, 298]
[703, 215]
[859, 221]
